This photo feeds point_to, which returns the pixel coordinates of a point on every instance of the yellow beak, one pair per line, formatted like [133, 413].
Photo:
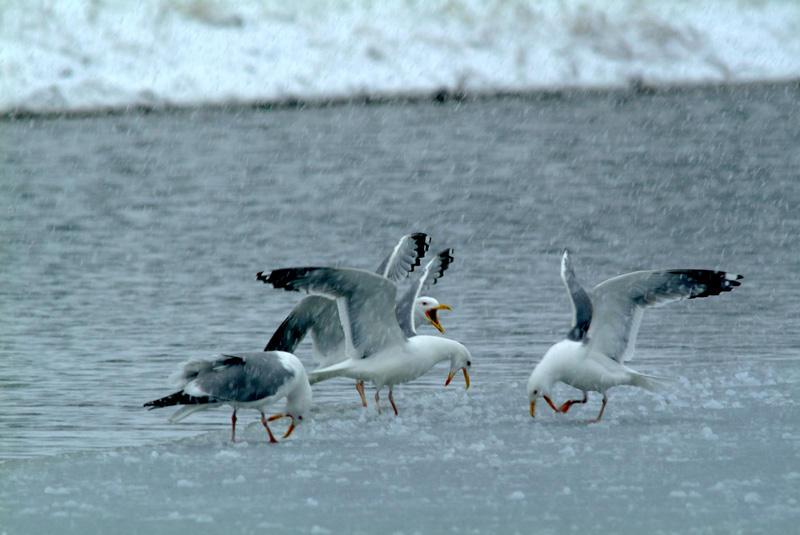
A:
[452, 374]
[533, 408]
[433, 316]
[291, 428]
[278, 416]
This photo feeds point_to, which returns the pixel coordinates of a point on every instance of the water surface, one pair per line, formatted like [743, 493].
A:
[130, 244]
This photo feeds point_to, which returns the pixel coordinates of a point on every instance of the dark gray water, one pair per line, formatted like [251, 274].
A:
[130, 244]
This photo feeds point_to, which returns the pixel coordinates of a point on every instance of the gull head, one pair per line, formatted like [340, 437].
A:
[295, 412]
[298, 402]
[539, 384]
[427, 308]
[460, 359]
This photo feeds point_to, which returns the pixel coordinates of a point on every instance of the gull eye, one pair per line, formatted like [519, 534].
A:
[469, 363]
[535, 392]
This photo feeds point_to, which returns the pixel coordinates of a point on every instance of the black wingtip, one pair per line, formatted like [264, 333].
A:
[285, 277]
[731, 280]
[447, 258]
[178, 398]
[728, 281]
[422, 243]
[716, 282]
[278, 278]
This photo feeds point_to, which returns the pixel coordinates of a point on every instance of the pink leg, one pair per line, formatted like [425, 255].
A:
[391, 400]
[567, 404]
[605, 400]
[233, 426]
[550, 402]
[360, 388]
[264, 421]
[377, 402]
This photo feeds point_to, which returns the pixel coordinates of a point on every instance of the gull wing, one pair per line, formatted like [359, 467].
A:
[242, 377]
[405, 256]
[296, 325]
[317, 315]
[320, 316]
[200, 367]
[579, 300]
[365, 301]
[619, 303]
[434, 270]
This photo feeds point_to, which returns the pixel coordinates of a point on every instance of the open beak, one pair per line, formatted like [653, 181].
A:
[452, 374]
[433, 316]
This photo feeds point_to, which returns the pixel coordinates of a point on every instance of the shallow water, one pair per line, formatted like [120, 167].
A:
[130, 244]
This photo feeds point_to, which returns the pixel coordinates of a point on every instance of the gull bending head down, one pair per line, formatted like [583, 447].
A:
[604, 328]
[244, 380]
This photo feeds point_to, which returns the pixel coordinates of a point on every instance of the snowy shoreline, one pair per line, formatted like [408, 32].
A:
[441, 96]
[81, 57]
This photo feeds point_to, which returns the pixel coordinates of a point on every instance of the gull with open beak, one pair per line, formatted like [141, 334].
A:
[378, 349]
[604, 329]
[319, 316]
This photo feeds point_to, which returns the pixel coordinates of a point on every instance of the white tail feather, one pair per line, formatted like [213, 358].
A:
[651, 382]
[328, 372]
[186, 410]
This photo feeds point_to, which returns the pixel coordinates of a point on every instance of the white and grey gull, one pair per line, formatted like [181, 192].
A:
[377, 348]
[319, 316]
[252, 380]
[604, 328]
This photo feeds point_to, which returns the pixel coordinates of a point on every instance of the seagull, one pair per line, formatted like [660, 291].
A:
[378, 349]
[320, 316]
[425, 308]
[604, 328]
[251, 380]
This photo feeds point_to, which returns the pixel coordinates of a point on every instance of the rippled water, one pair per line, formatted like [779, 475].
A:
[130, 243]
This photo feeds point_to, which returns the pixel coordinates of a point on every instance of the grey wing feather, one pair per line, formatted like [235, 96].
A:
[246, 377]
[296, 325]
[365, 301]
[619, 303]
[200, 367]
[318, 316]
[434, 270]
[405, 256]
[327, 335]
[579, 300]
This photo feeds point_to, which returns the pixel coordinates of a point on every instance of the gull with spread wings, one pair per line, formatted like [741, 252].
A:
[319, 316]
[377, 348]
[604, 328]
